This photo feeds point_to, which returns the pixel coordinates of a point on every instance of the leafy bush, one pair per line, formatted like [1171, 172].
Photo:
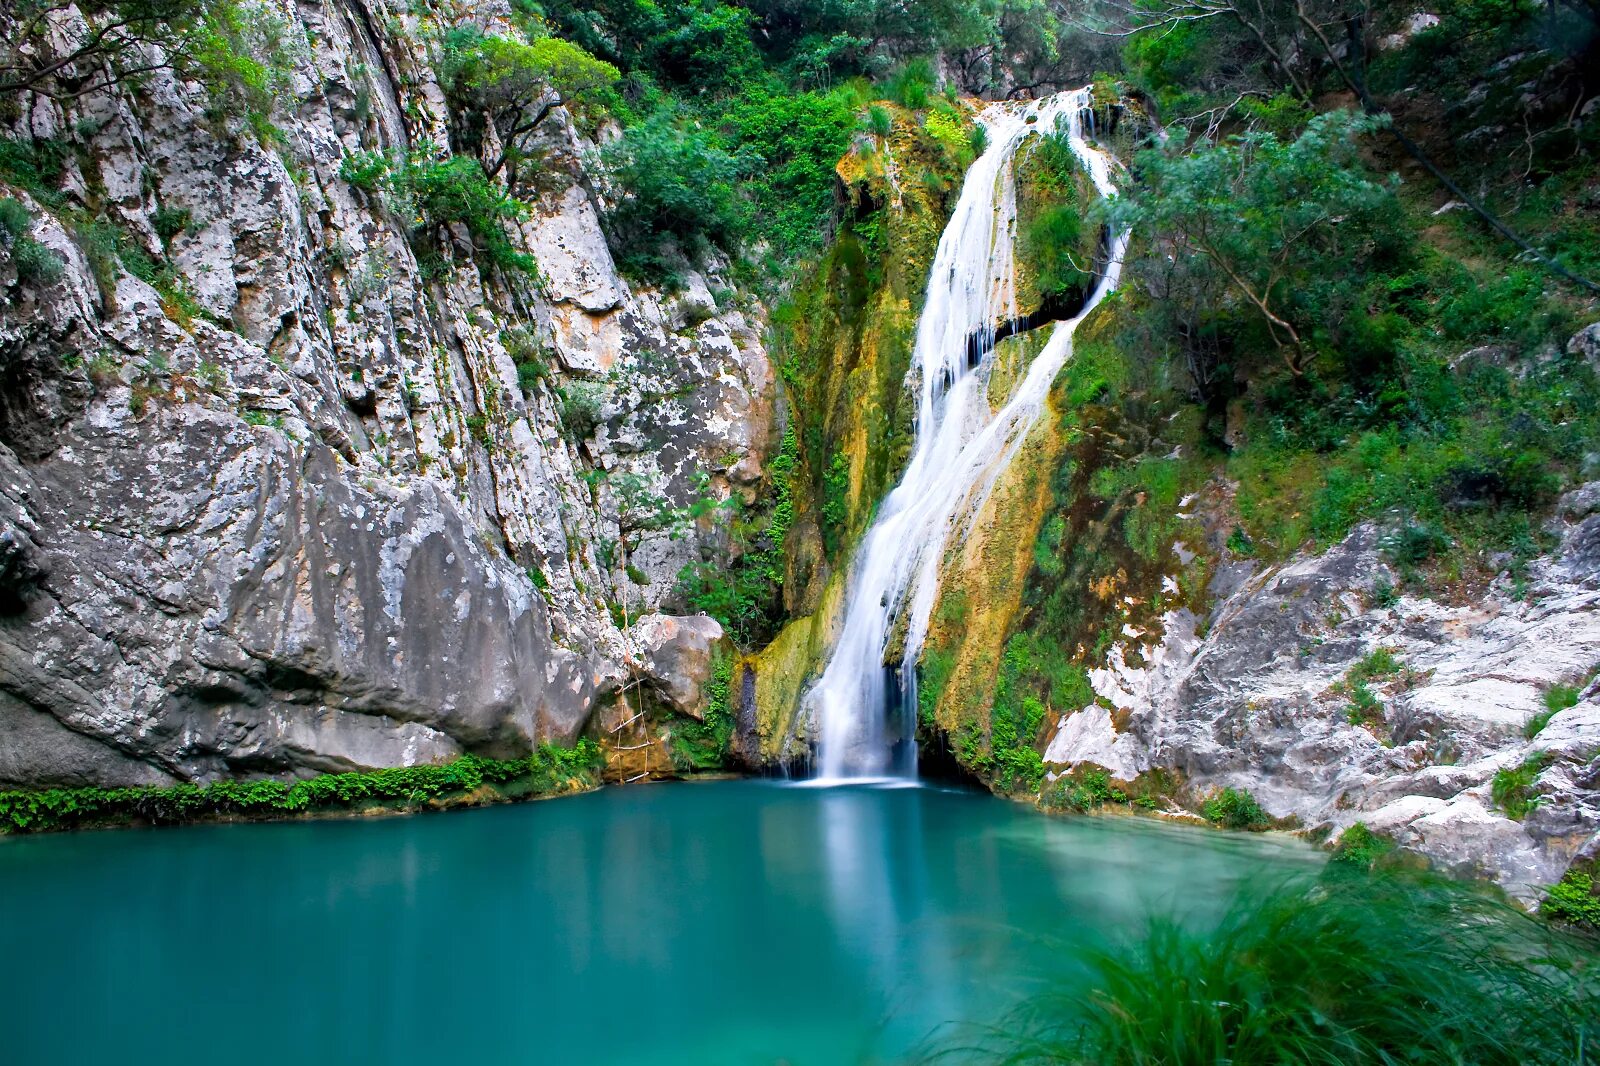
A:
[1573, 900]
[798, 139]
[1269, 216]
[1234, 808]
[512, 86]
[581, 404]
[1377, 664]
[1351, 970]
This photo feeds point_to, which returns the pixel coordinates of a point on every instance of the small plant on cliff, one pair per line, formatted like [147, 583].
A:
[1365, 708]
[431, 194]
[1513, 787]
[1234, 808]
[581, 404]
[1557, 698]
[1376, 665]
[1082, 790]
[1361, 847]
[35, 263]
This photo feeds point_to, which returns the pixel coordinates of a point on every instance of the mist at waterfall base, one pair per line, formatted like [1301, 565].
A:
[864, 712]
[736, 922]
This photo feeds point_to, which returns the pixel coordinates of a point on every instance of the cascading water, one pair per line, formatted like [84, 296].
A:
[867, 719]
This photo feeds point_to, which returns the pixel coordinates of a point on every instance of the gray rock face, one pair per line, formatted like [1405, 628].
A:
[294, 510]
[1261, 703]
[676, 658]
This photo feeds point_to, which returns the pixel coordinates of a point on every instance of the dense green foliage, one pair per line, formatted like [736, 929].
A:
[1262, 219]
[1234, 808]
[548, 769]
[1573, 901]
[1346, 970]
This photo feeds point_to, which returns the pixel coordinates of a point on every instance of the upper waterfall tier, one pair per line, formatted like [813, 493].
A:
[867, 720]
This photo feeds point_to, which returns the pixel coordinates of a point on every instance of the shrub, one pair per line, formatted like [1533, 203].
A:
[1573, 900]
[1083, 789]
[1233, 808]
[171, 221]
[515, 85]
[1350, 970]
[1365, 708]
[798, 139]
[1377, 664]
[581, 404]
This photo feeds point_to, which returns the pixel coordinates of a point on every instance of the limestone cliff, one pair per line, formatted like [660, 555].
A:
[300, 498]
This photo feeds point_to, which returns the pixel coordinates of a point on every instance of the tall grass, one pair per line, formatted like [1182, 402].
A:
[1349, 970]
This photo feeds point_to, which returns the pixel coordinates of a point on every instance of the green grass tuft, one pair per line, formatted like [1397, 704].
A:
[1349, 970]
[1512, 789]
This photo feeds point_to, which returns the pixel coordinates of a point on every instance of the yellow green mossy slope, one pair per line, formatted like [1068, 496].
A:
[962, 693]
[843, 344]
[1072, 548]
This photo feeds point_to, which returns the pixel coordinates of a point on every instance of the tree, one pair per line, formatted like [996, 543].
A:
[515, 85]
[1256, 47]
[678, 188]
[1272, 218]
[63, 51]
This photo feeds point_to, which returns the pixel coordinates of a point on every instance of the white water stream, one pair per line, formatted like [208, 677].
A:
[866, 718]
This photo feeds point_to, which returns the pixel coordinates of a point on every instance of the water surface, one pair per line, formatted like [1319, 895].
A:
[728, 922]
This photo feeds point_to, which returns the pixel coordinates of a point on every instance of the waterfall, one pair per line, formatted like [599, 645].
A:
[866, 711]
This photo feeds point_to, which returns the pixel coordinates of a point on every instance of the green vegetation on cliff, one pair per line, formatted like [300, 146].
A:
[466, 781]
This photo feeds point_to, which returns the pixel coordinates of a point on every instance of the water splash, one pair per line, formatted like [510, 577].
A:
[866, 710]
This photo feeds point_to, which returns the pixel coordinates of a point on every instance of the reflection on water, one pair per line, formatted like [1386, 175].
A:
[736, 922]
